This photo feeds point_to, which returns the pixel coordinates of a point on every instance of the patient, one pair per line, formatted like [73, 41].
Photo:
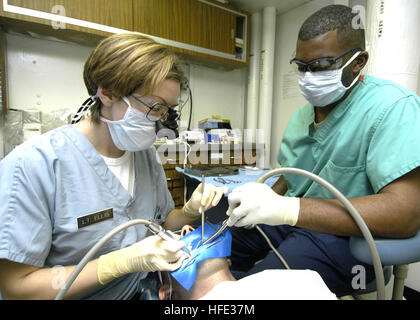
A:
[209, 273]
[214, 281]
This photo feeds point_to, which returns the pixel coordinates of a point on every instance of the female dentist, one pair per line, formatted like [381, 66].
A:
[64, 190]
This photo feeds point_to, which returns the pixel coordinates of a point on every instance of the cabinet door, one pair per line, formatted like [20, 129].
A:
[213, 27]
[117, 14]
[186, 21]
[168, 19]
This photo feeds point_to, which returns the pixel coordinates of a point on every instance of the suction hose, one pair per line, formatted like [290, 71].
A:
[91, 253]
[380, 282]
[377, 265]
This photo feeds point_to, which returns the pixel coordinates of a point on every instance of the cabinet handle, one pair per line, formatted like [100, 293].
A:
[232, 34]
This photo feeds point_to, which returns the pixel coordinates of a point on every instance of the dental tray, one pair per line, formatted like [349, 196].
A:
[218, 171]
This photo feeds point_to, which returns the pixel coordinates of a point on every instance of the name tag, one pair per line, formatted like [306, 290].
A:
[95, 217]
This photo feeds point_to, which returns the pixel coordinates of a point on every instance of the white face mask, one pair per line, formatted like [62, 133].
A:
[323, 88]
[134, 132]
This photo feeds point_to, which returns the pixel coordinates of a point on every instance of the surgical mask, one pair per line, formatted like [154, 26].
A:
[134, 132]
[323, 88]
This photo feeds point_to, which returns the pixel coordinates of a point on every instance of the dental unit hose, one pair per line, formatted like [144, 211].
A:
[377, 265]
[153, 227]
[164, 234]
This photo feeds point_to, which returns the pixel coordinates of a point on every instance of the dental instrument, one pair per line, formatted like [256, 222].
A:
[218, 248]
[347, 204]
[153, 227]
[197, 252]
[217, 233]
[166, 235]
[380, 282]
[223, 227]
[377, 265]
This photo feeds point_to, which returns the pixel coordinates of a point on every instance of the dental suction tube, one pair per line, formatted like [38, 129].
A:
[377, 265]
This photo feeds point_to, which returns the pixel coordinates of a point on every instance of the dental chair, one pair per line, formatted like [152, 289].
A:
[395, 254]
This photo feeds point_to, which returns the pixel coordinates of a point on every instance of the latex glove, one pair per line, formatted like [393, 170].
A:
[257, 203]
[210, 198]
[151, 254]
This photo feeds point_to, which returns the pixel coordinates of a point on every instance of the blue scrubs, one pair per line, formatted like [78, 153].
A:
[368, 140]
[49, 182]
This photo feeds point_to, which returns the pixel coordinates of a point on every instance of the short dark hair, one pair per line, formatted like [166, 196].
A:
[330, 18]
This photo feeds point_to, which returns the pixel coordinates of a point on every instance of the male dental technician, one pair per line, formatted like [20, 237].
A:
[360, 133]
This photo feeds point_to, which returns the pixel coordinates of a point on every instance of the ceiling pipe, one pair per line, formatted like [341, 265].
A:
[253, 79]
[267, 76]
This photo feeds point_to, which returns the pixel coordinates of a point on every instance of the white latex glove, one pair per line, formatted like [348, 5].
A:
[151, 254]
[210, 198]
[257, 203]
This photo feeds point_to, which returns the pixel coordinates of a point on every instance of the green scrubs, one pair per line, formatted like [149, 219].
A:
[365, 143]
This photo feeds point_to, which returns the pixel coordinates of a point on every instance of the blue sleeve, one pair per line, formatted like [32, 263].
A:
[395, 145]
[165, 202]
[26, 198]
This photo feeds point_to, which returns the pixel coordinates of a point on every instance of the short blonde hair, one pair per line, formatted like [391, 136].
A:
[126, 62]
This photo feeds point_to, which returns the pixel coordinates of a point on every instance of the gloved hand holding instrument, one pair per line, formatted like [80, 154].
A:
[160, 252]
[257, 203]
[151, 254]
[206, 199]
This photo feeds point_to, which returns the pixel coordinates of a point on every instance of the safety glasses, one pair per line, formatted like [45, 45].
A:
[322, 64]
[157, 110]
